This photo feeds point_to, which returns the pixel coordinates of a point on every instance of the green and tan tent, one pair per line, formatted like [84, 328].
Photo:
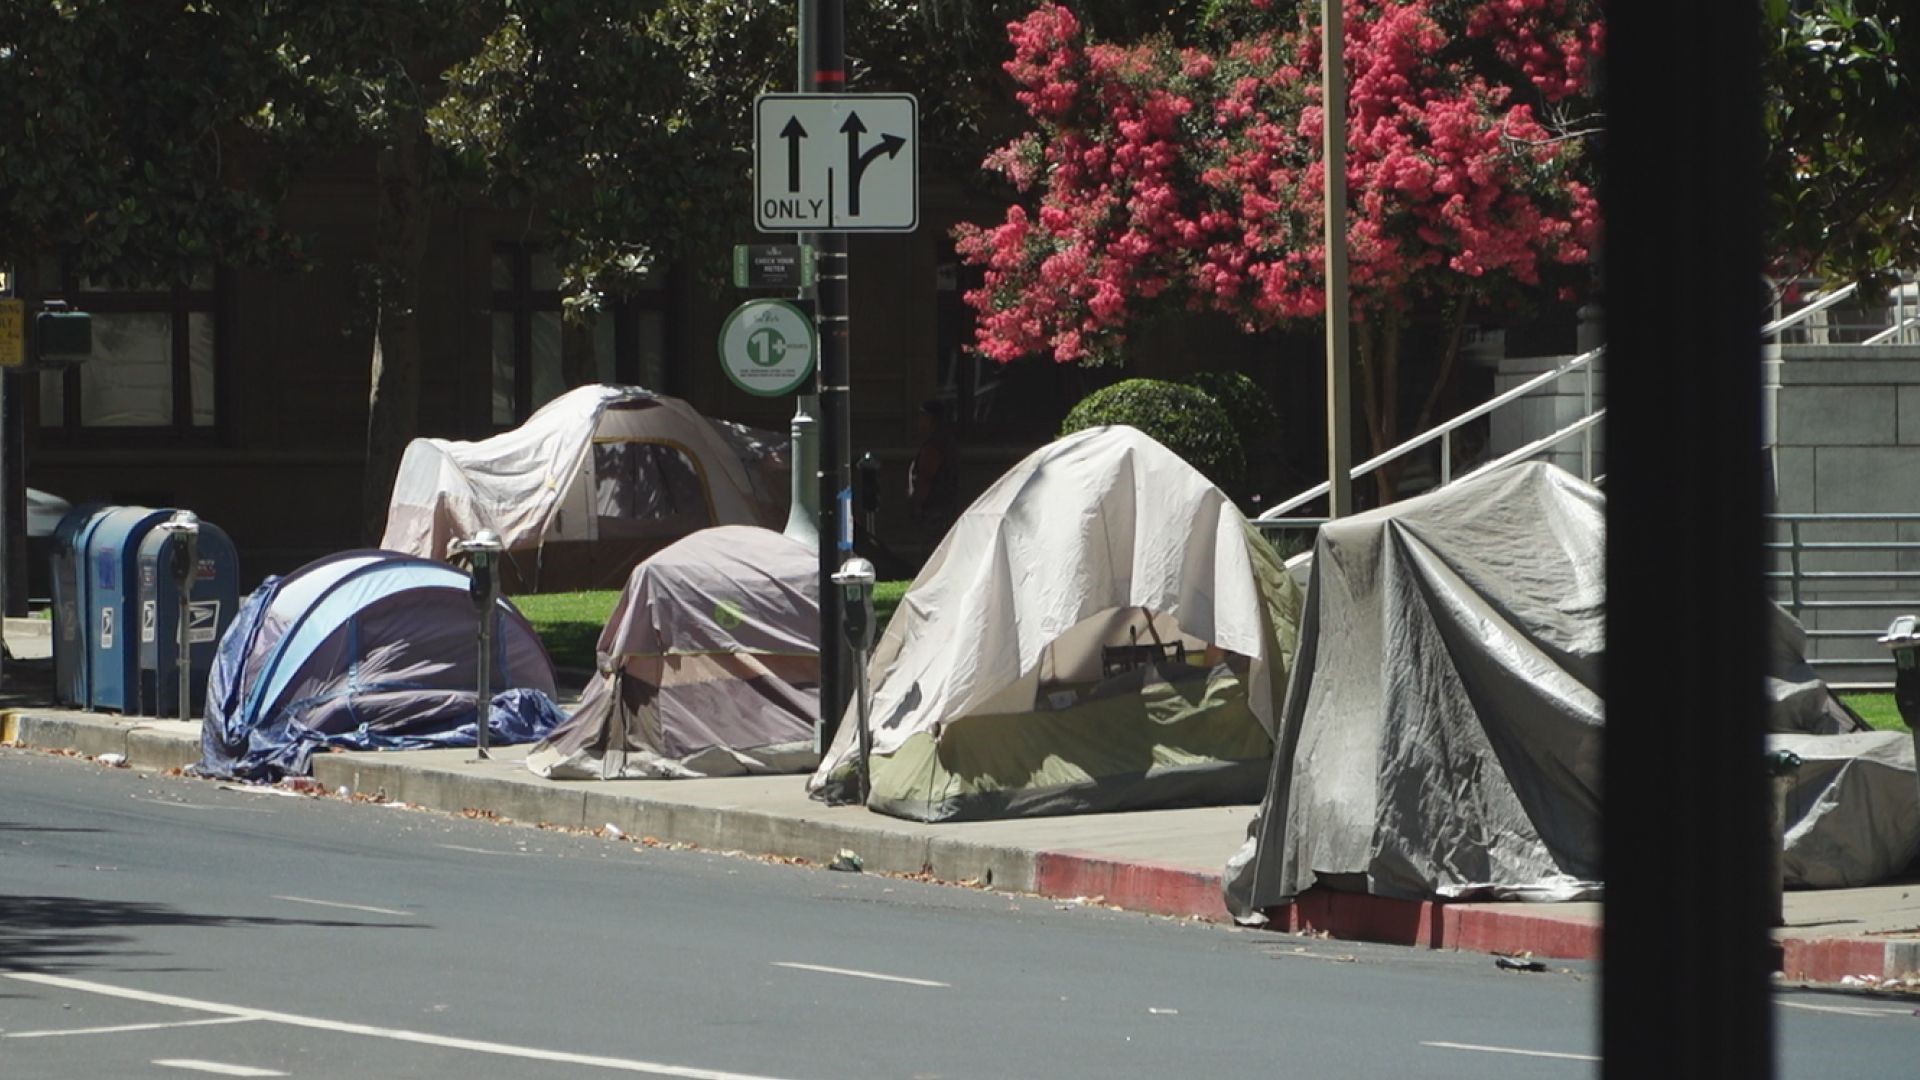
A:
[1101, 630]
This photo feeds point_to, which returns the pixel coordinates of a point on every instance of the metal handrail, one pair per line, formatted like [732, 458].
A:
[1787, 322]
[1439, 431]
[1902, 596]
[1888, 336]
[1586, 422]
[1538, 445]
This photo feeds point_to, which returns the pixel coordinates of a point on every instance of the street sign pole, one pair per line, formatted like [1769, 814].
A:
[827, 73]
[836, 456]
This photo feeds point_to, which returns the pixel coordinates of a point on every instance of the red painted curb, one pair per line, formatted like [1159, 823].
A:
[1360, 917]
[1137, 886]
[1832, 959]
[1515, 928]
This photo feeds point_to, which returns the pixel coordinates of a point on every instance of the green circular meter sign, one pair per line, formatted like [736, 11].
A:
[767, 347]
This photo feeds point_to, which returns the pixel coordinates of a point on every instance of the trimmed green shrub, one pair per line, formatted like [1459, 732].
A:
[1255, 419]
[1184, 419]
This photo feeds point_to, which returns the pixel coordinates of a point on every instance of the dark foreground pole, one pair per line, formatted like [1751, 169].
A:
[1686, 952]
[829, 76]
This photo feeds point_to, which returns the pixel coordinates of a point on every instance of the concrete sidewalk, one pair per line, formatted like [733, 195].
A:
[1165, 862]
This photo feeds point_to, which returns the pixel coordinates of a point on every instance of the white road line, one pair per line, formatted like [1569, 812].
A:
[337, 904]
[205, 806]
[1848, 1010]
[681, 1072]
[1512, 1050]
[477, 850]
[862, 974]
[218, 1068]
[118, 1028]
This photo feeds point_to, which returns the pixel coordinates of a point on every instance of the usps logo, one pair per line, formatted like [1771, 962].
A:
[203, 618]
[106, 628]
[146, 622]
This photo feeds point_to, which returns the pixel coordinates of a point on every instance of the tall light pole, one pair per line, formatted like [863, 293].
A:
[1333, 128]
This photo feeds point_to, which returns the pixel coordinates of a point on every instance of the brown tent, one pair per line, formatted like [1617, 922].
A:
[709, 666]
[598, 479]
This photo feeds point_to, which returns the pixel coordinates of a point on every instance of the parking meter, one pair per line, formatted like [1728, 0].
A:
[1903, 639]
[854, 579]
[483, 551]
[184, 526]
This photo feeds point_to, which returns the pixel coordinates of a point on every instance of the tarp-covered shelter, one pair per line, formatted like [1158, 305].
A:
[708, 666]
[593, 482]
[1442, 732]
[365, 650]
[1853, 816]
[1100, 630]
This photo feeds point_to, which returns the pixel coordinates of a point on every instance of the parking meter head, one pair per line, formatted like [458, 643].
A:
[482, 550]
[184, 527]
[855, 571]
[855, 579]
[1903, 639]
[181, 521]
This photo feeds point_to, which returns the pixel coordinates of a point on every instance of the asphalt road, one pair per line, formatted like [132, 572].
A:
[161, 927]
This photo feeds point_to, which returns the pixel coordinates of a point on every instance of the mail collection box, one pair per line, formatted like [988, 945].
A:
[116, 608]
[111, 553]
[71, 601]
[213, 595]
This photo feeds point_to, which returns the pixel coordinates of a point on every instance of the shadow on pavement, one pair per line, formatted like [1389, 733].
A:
[67, 933]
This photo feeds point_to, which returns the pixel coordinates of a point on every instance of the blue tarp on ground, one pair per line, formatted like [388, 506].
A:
[367, 650]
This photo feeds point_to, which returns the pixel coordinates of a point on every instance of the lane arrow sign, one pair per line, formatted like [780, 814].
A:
[793, 133]
[857, 161]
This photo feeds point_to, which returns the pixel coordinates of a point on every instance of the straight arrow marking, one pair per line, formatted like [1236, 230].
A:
[793, 133]
[853, 129]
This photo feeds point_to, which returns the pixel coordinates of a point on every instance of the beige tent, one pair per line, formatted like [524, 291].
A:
[1101, 630]
[596, 480]
[708, 666]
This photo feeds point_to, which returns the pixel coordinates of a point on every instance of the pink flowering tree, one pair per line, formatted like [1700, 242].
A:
[1163, 172]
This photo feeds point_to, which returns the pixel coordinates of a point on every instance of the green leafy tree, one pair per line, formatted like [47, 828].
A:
[365, 74]
[1843, 128]
[132, 139]
[626, 126]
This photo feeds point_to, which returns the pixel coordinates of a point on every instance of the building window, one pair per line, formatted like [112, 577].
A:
[537, 357]
[156, 364]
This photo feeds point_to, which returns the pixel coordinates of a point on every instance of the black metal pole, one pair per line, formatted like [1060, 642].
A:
[1686, 949]
[828, 75]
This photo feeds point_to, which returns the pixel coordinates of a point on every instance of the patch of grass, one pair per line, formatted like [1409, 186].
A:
[886, 597]
[1878, 710]
[569, 623]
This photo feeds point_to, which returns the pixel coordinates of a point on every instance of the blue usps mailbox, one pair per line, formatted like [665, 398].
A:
[213, 590]
[111, 554]
[70, 602]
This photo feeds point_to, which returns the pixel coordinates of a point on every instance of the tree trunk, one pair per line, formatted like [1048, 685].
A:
[393, 400]
[1443, 380]
[1379, 354]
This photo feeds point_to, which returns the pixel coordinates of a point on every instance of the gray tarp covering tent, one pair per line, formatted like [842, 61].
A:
[593, 482]
[1100, 630]
[708, 666]
[365, 650]
[1442, 732]
[1853, 817]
